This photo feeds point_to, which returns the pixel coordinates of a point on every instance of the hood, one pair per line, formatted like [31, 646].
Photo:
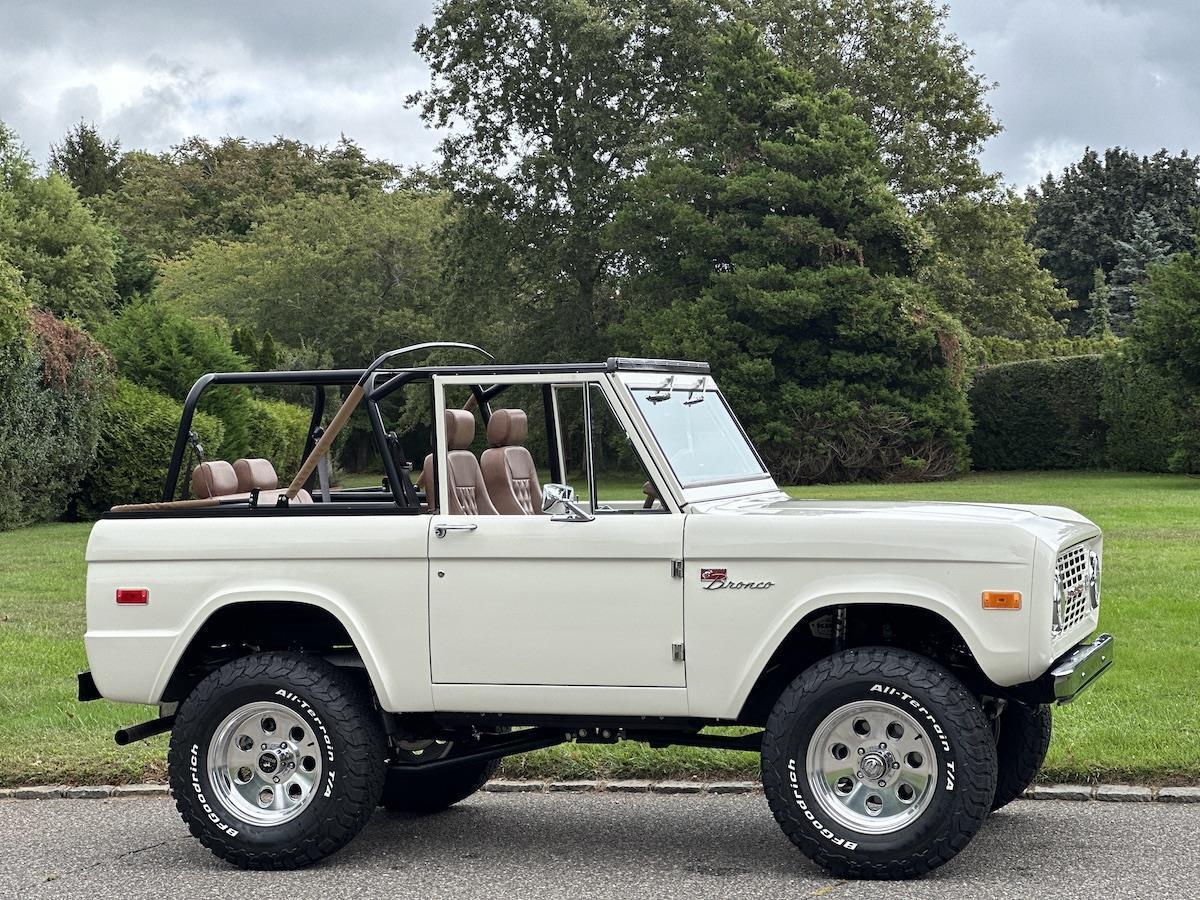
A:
[1057, 525]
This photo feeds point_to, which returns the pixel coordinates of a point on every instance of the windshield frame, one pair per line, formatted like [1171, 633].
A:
[709, 387]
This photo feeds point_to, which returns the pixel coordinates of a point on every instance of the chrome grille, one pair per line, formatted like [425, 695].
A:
[1076, 587]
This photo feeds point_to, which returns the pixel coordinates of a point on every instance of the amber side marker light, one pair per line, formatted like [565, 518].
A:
[1001, 599]
[133, 596]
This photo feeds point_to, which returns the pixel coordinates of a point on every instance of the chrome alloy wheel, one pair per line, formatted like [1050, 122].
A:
[871, 767]
[264, 763]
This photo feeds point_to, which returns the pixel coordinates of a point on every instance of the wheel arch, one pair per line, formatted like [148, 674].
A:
[243, 621]
[905, 621]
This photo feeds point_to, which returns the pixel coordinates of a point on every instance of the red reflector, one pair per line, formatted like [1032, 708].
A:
[133, 596]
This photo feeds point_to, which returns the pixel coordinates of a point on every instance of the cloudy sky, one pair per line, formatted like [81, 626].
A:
[1070, 73]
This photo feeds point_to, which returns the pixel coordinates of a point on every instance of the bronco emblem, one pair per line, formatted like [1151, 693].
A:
[718, 580]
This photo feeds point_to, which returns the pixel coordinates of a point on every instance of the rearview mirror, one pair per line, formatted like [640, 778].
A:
[559, 500]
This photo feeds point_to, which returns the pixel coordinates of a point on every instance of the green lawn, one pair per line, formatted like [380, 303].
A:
[1141, 722]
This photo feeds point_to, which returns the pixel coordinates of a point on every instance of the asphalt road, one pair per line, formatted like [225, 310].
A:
[597, 845]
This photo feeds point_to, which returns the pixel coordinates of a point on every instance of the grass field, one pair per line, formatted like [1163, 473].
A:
[1141, 722]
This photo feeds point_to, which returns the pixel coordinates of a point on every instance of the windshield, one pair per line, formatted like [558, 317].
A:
[699, 436]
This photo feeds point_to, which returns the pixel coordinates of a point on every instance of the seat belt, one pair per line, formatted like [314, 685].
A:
[322, 466]
[323, 476]
[404, 470]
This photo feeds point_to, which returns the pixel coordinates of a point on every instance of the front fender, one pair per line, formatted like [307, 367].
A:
[998, 639]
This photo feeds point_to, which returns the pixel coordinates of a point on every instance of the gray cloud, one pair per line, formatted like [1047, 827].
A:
[1071, 73]
[155, 75]
[1078, 73]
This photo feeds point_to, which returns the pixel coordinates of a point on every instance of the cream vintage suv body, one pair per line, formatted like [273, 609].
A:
[318, 652]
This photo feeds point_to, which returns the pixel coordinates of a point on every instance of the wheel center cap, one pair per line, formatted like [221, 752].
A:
[873, 766]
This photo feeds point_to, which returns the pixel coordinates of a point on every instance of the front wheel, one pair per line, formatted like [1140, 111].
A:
[1022, 742]
[276, 760]
[878, 763]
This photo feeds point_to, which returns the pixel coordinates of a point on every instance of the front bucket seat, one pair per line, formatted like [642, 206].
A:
[508, 469]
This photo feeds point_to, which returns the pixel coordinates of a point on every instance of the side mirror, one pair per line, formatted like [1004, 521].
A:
[559, 499]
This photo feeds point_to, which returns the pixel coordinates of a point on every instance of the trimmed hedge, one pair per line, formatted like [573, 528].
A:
[1141, 408]
[1039, 414]
[137, 435]
[53, 382]
[1111, 411]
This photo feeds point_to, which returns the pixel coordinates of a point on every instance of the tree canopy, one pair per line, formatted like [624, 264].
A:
[1082, 214]
[350, 276]
[907, 76]
[555, 103]
[984, 272]
[765, 239]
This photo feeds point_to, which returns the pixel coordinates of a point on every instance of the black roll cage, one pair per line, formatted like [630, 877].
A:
[393, 380]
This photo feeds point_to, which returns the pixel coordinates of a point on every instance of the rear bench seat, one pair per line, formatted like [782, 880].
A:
[222, 481]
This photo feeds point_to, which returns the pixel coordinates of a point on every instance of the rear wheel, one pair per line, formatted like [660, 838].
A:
[1021, 746]
[878, 763]
[276, 760]
[431, 792]
[408, 789]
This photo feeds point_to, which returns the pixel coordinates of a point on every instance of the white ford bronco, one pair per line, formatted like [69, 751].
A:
[318, 651]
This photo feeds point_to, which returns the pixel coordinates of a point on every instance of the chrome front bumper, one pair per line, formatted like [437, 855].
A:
[1079, 668]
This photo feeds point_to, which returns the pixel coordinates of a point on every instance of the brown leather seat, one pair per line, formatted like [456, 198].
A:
[255, 473]
[508, 469]
[214, 479]
[260, 474]
[466, 488]
[218, 479]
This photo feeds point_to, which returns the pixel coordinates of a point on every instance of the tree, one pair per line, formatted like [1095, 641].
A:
[16, 165]
[167, 202]
[350, 277]
[1082, 214]
[158, 347]
[765, 239]
[1099, 307]
[268, 354]
[64, 254]
[910, 80]
[1166, 333]
[244, 344]
[554, 103]
[90, 163]
[1134, 258]
[985, 273]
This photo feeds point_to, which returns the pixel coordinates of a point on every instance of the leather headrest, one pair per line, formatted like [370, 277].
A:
[507, 428]
[213, 479]
[460, 429]
[255, 473]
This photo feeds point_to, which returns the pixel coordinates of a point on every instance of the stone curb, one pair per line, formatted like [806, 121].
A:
[1127, 793]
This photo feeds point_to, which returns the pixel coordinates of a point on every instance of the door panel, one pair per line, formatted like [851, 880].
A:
[524, 600]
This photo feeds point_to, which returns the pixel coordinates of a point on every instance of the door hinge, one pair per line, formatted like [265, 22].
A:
[677, 568]
[677, 653]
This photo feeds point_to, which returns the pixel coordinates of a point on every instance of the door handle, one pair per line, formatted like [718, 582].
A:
[442, 530]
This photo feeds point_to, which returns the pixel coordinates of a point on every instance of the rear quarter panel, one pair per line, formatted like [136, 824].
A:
[369, 571]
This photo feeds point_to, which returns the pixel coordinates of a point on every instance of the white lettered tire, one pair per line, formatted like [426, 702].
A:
[879, 763]
[277, 760]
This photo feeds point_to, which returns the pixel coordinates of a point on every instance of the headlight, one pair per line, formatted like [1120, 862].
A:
[1059, 603]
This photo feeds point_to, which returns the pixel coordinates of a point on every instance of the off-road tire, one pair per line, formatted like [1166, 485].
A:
[354, 758]
[421, 794]
[929, 693]
[1021, 749]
